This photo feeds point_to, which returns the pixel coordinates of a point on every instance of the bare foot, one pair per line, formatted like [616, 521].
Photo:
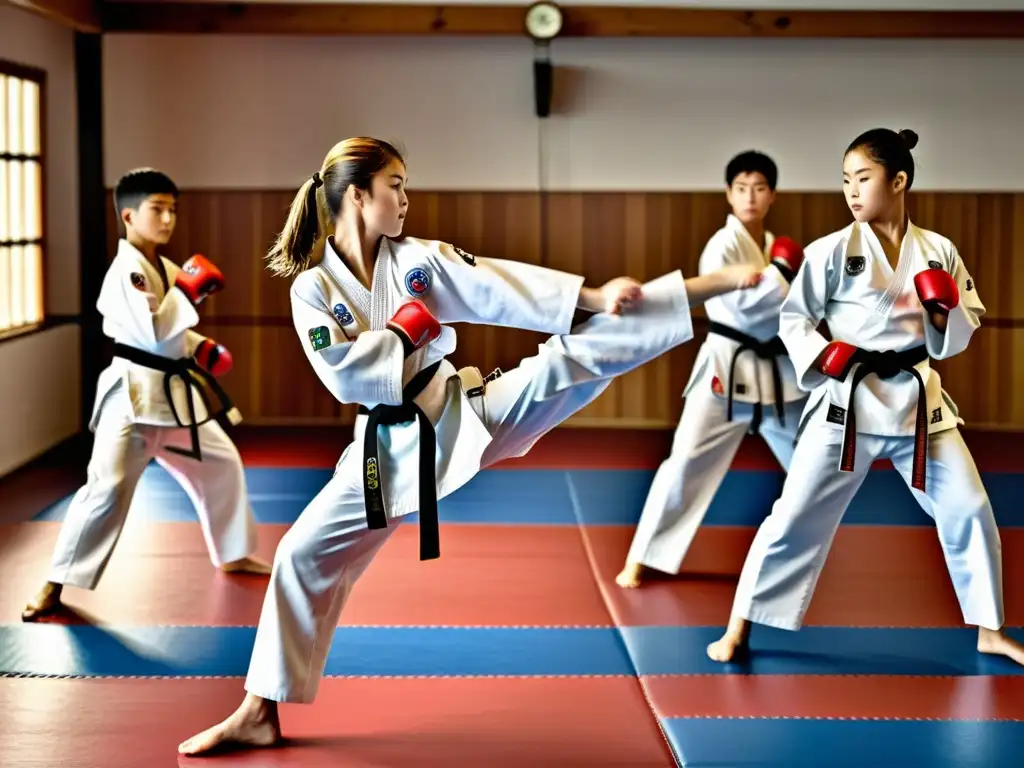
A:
[254, 724]
[247, 565]
[733, 642]
[46, 603]
[630, 577]
[995, 641]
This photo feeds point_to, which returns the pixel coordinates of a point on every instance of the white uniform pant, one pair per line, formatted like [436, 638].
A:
[322, 556]
[121, 451]
[789, 550]
[685, 484]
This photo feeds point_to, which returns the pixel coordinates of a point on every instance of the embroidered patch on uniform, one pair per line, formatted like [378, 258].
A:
[936, 415]
[466, 257]
[934, 265]
[969, 285]
[716, 386]
[417, 281]
[855, 265]
[835, 415]
[342, 315]
[741, 389]
[319, 337]
[138, 280]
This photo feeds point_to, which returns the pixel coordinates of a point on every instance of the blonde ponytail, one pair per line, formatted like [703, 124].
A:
[293, 249]
[352, 162]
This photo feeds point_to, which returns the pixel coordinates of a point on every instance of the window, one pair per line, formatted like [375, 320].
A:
[21, 196]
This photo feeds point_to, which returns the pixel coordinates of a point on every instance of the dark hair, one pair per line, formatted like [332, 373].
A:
[135, 186]
[889, 149]
[752, 162]
[353, 161]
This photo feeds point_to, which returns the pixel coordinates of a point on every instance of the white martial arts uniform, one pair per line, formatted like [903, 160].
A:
[847, 280]
[134, 422]
[707, 439]
[342, 327]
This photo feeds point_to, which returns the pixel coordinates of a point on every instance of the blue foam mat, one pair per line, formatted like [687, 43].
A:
[774, 743]
[279, 495]
[818, 651]
[543, 497]
[745, 498]
[91, 651]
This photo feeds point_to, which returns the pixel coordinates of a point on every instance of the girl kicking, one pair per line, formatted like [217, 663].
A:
[372, 315]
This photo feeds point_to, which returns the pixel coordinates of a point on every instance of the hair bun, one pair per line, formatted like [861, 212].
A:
[910, 138]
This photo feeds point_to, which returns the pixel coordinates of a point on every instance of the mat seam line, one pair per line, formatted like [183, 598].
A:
[595, 573]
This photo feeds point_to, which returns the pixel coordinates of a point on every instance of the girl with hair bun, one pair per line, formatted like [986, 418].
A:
[895, 296]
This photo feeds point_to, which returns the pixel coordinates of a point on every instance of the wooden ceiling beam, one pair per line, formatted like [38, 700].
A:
[580, 21]
[81, 15]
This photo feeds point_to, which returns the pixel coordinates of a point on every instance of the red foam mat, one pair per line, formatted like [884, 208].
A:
[852, 696]
[491, 575]
[354, 723]
[875, 576]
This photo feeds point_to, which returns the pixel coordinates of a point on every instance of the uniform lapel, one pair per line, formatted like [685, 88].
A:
[746, 243]
[381, 307]
[888, 284]
[897, 279]
[349, 285]
[136, 262]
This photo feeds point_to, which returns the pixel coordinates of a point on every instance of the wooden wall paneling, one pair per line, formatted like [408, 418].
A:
[599, 235]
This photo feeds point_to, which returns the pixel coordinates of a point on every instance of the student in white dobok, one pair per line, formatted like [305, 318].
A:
[895, 296]
[742, 382]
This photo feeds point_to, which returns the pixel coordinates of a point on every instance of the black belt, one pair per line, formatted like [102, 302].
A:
[188, 371]
[766, 350]
[886, 365]
[388, 415]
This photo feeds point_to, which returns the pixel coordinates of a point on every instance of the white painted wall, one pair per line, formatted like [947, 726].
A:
[261, 112]
[39, 374]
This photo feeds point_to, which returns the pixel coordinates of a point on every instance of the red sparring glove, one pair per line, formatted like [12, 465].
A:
[213, 357]
[836, 360]
[937, 290]
[787, 255]
[414, 325]
[198, 278]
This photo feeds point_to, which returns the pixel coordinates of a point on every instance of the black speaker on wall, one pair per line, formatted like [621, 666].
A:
[543, 79]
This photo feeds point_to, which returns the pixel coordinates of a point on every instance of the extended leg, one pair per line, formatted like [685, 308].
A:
[571, 371]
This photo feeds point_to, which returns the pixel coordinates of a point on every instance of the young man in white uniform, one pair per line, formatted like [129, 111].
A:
[742, 381]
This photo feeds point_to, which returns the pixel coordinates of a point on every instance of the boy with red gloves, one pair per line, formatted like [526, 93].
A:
[154, 402]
